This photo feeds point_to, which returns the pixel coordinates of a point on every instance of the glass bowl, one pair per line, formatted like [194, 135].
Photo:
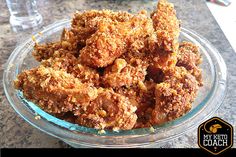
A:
[208, 100]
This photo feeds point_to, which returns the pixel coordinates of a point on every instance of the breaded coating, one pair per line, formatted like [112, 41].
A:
[189, 57]
[174, 95]
[164, 44]
[54, 91]
[159, 58]
[112, 39]
[161, 46]
[86, 23]
[116, 70]
[108, 111]
[166, 25]
[65, 63]
[70, 64]
[142, 96]
[123, 74]
[83, 25]
[54, 49]
[69, 36]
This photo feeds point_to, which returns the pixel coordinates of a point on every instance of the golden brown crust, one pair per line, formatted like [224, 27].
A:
[115, 70]
[86, 23]
[166, 25]
[83, 25]
[174, 95]
[54, 91]
[123, 74]
[112, 39]
[54, 49]
[108, 111]
[72, 65]
[142, 96]
[189, 57]
[164, 44]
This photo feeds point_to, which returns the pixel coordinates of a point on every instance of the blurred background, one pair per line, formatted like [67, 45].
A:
[226, 18]
[20, 19]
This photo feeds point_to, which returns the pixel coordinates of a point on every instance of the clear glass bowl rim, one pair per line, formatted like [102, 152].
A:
[133, 138]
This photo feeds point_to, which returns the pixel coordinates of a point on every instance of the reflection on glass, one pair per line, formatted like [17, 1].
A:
[23, 14]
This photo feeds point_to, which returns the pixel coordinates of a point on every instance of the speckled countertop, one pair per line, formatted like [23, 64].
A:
[15, 132]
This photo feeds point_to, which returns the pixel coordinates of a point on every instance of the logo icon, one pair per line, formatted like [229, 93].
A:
[213, 128]
[215, 135]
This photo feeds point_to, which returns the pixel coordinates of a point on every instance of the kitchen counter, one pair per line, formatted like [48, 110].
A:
[15, 132]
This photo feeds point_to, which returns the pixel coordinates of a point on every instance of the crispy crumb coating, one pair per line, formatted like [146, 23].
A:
[143, 97]
[159, 58]
[174, 95]
[54, 91]
[86, 23]
[112, 39]
[189, 57]
[115, 70]
[54, 49]
[70, 64]
[164, 43]
[123, 74]
[83, 25]
[166, 25]
[109, 110]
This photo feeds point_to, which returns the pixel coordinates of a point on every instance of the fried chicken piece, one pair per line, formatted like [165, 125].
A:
[54, 49]
[160, 58]
[65, 63]
[108, 111]
[142, 96]
[70, 64]
[54, 91]
[189, 57]
[123, 74]
[164, 44]
[86, 23]
[174, 95]
[112, 39]
[83, 26]
[146, 105]
[166, 25]
[71, 37]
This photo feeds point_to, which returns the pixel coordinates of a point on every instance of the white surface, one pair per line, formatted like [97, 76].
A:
[226, 18]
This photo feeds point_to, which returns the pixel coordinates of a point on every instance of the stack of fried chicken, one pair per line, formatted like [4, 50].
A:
[116, 70]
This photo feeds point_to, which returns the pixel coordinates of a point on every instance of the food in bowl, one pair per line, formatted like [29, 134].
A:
[116, 70]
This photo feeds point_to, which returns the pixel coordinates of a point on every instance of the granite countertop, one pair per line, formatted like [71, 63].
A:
[15, 132]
